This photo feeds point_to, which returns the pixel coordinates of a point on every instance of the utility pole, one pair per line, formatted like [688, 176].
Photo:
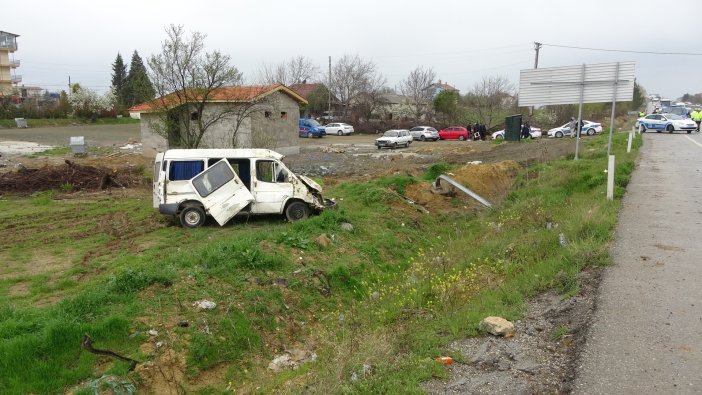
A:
[329, 119]
[69, 84]
[537, 47]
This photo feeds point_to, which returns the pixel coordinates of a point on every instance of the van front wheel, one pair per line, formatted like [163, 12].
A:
[297, 211]
[192, 217]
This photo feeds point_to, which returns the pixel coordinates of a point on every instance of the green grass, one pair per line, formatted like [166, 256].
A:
[392, 293]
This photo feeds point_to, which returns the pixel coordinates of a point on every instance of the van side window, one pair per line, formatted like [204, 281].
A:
[185, 169]
[270, 171]
[264, 171]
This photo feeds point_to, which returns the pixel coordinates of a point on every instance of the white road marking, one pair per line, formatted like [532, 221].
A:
[698, 144]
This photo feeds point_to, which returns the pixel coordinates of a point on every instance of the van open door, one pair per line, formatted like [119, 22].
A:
[159, 180]
[221, 192]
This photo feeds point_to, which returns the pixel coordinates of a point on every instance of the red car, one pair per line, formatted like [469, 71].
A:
[454, 132]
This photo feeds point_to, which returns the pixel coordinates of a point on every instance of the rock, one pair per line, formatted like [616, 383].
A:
[152, 332]
[183, 324]
[497, 326]
[159, 344]
[292, 359]
[375, 295]
[481, 352]
[346, 227]
[528, 366]
[205, 304]
[323, 240]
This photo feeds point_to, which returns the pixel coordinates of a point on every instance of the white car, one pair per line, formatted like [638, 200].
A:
[424, 133]
[394, 138]
[589, 128]
[339, 129]
[534, 133]
[667, 122]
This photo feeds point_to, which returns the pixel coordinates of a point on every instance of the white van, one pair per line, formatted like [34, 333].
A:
[193, 183]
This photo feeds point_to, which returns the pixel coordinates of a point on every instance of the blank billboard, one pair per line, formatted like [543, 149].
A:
[562, 85]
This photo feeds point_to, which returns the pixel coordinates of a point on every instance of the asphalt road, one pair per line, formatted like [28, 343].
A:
[646, 335]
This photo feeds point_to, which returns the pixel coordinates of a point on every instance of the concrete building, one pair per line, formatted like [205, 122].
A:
[260, 116]
[8, 78]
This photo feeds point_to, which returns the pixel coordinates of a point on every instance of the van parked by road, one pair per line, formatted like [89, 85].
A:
[193, 183]
[309, 127]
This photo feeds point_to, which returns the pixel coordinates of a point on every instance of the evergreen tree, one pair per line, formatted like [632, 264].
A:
[138, 88]
[119, 80]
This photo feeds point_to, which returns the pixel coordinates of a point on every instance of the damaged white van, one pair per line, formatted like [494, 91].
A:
[194, 183]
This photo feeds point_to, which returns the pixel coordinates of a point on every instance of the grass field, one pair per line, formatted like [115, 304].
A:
[43, 122]
[391, 293]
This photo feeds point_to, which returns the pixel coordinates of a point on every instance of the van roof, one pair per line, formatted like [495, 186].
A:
[221, 153]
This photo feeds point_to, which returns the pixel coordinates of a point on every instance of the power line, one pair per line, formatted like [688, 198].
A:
[624, 50]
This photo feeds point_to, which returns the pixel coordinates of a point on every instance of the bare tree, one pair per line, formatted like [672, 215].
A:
[489, 100]
[186, 79]
[372, 97]
[295, 71]
[416, 88]
[352, 76]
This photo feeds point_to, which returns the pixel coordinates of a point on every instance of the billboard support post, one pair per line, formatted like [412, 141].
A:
[614, 104]
[580, 112]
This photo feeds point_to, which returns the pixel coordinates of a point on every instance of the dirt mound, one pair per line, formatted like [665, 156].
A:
[69, 177]
[491, 181]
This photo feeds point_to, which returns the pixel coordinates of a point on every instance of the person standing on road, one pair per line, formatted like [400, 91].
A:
[482, 131]
[526, 129]
[696, 116]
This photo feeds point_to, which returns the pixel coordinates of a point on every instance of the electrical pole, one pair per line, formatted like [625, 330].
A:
[69, 84]
[329, 118]
[537, 47]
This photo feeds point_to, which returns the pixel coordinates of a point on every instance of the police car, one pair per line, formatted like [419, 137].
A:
[667, 122]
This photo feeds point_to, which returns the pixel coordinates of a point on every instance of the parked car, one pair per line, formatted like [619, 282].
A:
[500, 134]
[424, 133]
[339, 129]
[309, 127]
[394, 138]
[193, 183]
[589, 128]
[454, 132]
[667, 122]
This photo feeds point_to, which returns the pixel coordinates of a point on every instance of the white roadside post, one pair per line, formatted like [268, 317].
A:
[610, 178]
[628, 145]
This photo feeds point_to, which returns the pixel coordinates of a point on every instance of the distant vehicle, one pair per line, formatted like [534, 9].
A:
[589, 128]
[677, 110]
[394, 138]
[309, 127]
[339, 129]
[667, 122]
[533, 133]
[424, 133]
[454, 132]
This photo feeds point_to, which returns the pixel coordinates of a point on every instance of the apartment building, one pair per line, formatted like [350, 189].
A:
[8, 78]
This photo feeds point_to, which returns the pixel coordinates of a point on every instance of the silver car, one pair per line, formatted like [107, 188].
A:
[339, 129]
[424, 133]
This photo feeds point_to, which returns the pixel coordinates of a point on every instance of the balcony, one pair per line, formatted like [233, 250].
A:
[16, 79]
[11, 63]
[8, 45]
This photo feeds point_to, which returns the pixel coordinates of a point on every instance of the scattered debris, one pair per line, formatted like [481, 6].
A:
[109, 383]
[445, 360]
[205, 304]
[152, 332]
[497, 326]
[440, 188]
[183, 324]
[346, 227]
[562, 239]
[87, 345]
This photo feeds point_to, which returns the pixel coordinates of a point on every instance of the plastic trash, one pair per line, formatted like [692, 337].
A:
[562, 239]
[445, 360]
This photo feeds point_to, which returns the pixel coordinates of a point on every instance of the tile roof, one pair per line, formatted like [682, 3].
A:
[227, 94]
[304, 90]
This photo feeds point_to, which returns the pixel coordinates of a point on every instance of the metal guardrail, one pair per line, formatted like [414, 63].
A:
[462, 188]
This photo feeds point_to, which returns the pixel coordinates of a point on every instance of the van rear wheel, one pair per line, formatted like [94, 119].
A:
[297, 211]
[192, 217]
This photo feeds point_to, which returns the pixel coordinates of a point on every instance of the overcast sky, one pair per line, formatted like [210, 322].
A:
[462, 41]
